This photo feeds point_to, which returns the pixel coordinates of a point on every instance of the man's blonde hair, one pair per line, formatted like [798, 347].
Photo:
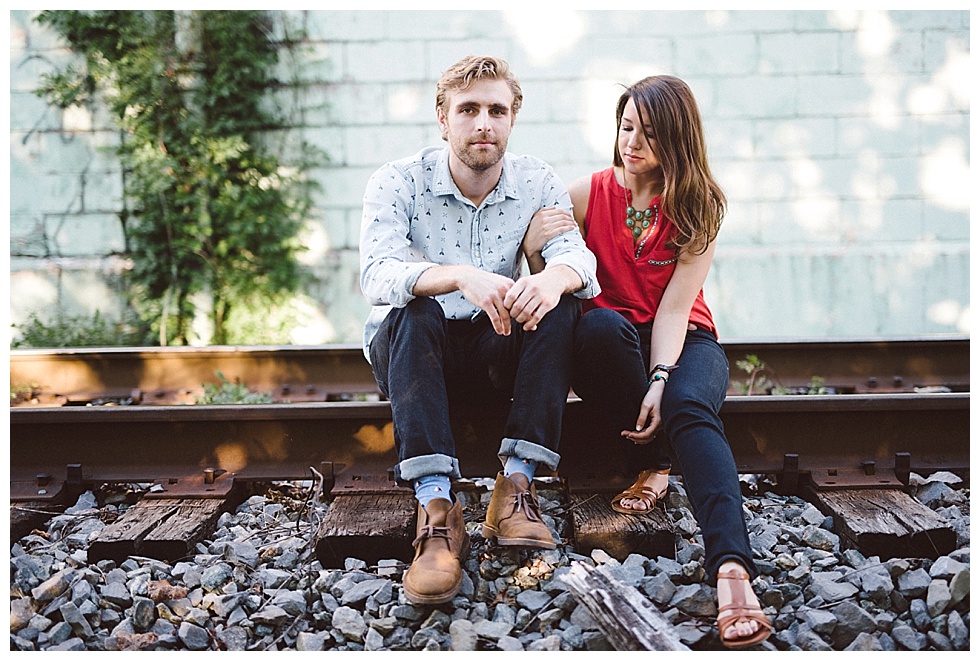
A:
[476, 67]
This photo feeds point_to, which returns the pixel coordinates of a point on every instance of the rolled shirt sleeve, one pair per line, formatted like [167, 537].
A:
[389, 266]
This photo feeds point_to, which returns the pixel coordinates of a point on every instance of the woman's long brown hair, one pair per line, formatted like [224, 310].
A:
[692, 198]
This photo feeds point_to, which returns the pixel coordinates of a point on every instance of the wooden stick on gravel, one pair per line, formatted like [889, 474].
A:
[629, 621]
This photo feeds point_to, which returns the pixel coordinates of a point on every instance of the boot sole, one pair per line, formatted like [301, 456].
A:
[490, 533]
[431, 600]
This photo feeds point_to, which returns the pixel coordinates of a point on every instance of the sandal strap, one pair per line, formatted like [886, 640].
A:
[735, 575]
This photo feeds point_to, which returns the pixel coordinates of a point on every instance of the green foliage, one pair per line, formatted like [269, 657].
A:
[758, 381]
[226, 392]
[78, 331]
[211, 213]
[23, 392]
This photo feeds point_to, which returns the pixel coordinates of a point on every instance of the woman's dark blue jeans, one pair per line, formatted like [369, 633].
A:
[421, 361]
[609, 373]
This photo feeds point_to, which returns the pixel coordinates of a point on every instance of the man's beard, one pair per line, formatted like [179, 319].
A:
[478, 159]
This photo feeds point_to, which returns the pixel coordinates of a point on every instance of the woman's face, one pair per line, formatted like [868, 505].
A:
[636, 142]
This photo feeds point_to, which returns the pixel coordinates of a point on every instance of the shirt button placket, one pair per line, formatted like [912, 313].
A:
[476, 250]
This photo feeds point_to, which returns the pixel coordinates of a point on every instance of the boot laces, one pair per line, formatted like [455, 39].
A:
[525, 500]
[431, 532]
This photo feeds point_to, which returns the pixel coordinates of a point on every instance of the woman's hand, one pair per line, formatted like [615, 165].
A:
[648, 421]
[545, 225]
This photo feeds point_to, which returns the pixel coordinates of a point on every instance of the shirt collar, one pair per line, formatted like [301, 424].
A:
[443, 183]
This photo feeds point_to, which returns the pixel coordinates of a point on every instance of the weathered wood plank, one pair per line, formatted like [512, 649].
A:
[887, 523]
[176, 536]
[629, 621]
[598, 526]
[164, 528]
[367, 526]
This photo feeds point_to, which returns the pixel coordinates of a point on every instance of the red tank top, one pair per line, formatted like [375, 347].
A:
[631, 285]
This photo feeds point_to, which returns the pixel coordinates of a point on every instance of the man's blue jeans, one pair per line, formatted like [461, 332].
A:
[609, 373]
[421, 361]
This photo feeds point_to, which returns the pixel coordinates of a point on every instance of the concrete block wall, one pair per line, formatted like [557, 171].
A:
[840, 137]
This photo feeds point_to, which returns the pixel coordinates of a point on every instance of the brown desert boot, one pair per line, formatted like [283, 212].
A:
[514, 516]
[441, 545]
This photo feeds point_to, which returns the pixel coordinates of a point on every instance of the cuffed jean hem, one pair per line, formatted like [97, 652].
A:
[427, 464]
[515, 447]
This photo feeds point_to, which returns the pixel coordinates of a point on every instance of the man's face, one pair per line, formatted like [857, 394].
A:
[477, 123]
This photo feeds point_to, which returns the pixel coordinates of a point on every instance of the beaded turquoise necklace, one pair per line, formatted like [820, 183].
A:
[641, 221]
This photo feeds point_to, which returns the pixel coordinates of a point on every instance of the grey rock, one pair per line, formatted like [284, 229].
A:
[234, 639]
[697, 600]
[959, 587]
[462, 636]
[919, 612]
[550, 643]
[78, 623]
[658, 588]
[819, 621]
[350, 623]
[57, 634]
[215, 576]
[821, 539]
[938, 597]
[939, 642]
[271, 615]
[914, 583]
[312, 641]
[116, 593]
[864, 642]
[908, 638]
[809, 641]
[830, 589]
[358, 593]
[946, 567]
[291, 601]
[493, 630]
[935, 494]
[509, 644]
[21, 613]
[54, 586]
[194, 637]
[852, 620]
[71, 645]
[876, 581]
[959, 633]
[533, 600]
[272, 578]
[144, 613]
[238, 552]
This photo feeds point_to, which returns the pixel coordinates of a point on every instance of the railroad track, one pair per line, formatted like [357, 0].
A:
[894, 408]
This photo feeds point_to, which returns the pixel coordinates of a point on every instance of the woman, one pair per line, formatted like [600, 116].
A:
[647, 354]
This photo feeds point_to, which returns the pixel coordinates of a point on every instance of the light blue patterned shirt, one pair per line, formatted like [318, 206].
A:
[415, 218]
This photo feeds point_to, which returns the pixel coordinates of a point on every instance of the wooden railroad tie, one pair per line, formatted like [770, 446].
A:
[164, 529]
[886, 523]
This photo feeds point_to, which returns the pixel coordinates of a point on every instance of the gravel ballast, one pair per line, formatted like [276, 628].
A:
[256, 584]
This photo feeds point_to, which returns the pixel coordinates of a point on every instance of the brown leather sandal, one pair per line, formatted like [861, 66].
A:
[740, 609]
[639, 491]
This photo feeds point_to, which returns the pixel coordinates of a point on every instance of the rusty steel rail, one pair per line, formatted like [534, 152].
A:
[169, 376]
[908, 410]
[860, 440]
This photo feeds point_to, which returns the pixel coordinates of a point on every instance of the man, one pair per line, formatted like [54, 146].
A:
[440, 246]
